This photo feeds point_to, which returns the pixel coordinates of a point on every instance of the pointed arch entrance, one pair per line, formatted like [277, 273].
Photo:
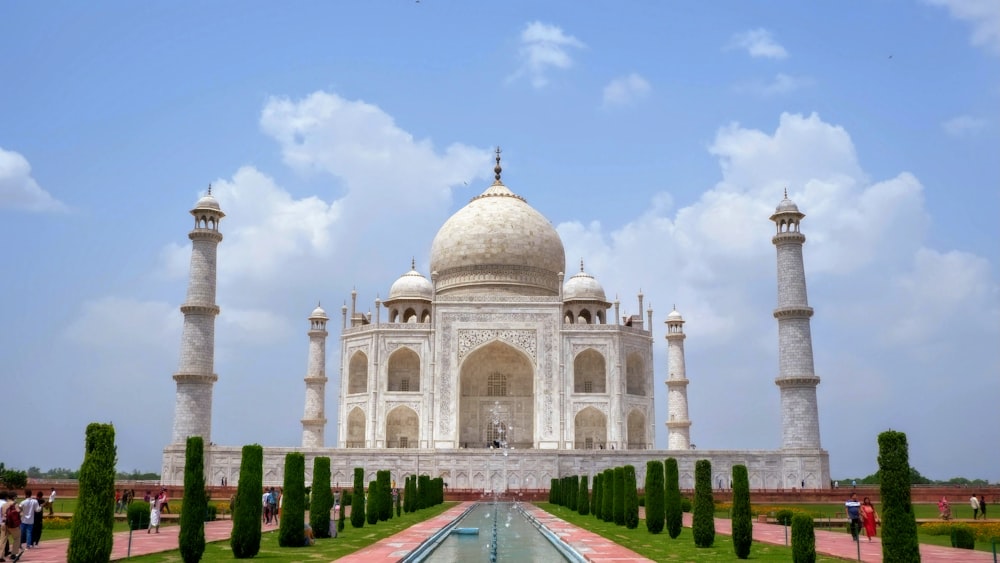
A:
[402, 428]
[591, 429]
[498, 377]
[356, 428]
[636, 430]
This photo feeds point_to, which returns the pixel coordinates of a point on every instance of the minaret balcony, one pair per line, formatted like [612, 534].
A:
[790, 237]
[205, 234]
[793, 312]
[797, 381]
[678, 424]
[199, 309]
[195, 378]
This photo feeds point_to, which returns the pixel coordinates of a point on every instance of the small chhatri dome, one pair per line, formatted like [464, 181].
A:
[786, 205]
[411, 285]
[674, 316]
[318, 313]
[583, 287]
[208, 202]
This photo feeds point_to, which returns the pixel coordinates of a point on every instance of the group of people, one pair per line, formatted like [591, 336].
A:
[271, 503]
[21, 522]
[978, 506]
[862, 515]
[157, 505]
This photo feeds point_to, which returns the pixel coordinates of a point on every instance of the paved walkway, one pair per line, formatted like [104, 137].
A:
[594, 547]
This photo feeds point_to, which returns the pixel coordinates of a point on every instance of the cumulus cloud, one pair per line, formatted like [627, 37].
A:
[543, 48]
[983, 15]
[963, 125]
[780, 85]
[625, 90]
[18, 190]
[758, 43]
[889, 309]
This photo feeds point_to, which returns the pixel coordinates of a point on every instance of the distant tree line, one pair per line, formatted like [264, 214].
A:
[915, 479]
[73, 474]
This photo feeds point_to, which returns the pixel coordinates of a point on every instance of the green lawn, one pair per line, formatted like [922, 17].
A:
[349, 541]
[659, 547]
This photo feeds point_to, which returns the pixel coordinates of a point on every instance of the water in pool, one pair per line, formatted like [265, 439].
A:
[517, 539]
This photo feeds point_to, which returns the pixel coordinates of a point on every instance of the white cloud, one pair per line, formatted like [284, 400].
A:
[19, 190]
[781, 84]
[625, 90]
[543, 48]
[983, 15]
[963, 125]
[758, 43]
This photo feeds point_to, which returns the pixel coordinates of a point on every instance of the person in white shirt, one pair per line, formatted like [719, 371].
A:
[28, 507]
[52, 501]
[974, 503]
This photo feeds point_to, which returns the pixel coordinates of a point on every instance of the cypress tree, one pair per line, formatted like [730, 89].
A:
[553, 486]
[654, 496]
[358, 499]
[608, 496]
[804, 539]
[583, 503]
[574, 492]
[384, 479]
[631, 498]
[619, 500]
[343, 513]
[408, 495]
[291, 528]
[742, 518]
[423, 491]
[899, 528]
[373, 502]
[703, 523]
[399, 511]
[595, 501]
[192, 534]
[92, 533]
[322, 498]
[673, 514]
[245, 539]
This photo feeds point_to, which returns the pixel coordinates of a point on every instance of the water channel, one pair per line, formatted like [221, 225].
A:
[471, 538]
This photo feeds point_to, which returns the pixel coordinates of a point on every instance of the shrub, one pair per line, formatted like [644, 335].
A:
[424, 491]
[574, 492]
[192, 534]
[686, 505]
[399, 511]
[596, 500]
[245, 539]
[137, 515]
[343, 513]
[619, 500]
[899, 528]
[654, 496]
[322, 498]
[703, 523]
[583, 503]
[408, 495]
[642, 499]
[962, 537]
[291, 528]
[554, 491]
[608, 495]
[742, 519]
[91, 537]
[631, 498]
[211, 511]
[358, 499]
[373, 496]
[384, 503]
[672, 508]
[803, 539]
[784, 516]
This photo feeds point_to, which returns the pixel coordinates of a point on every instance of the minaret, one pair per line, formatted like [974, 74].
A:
[195, 375]
[678, 424]
[796, 377]
[314, 419]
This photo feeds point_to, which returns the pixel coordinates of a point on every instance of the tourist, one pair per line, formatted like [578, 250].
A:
[36, 530]
[974, 503]
[147, 497]
[853, 509]
[28, 508]
[4, 547]
[869, 517]
[154, 515]
[944, 510]
[164, 507]
[982, 506]
[12, 527]
[265, 513]
[52, 501]
[307, 531]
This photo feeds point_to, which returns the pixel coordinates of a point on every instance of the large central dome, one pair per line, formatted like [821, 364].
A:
[497, 244]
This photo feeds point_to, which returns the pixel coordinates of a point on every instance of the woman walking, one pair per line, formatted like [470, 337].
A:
[869, 517]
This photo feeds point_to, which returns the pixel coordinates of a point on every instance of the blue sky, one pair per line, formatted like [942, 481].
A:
[657, 137]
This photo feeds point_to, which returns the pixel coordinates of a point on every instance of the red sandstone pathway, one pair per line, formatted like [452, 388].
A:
[396, 547]
[840, 544]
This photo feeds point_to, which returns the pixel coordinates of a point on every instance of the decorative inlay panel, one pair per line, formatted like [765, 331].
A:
[469, 339]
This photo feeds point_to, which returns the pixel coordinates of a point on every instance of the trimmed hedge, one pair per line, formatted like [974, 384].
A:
[245, 539]
[291, 528]
[899, 526]
[741, 514]
[673, 513]
[137, 515]
[608, 501]
[373, 502]
[384, 502]
[703, 523]
[583, 502]
[804, 539]
[596, 502]
[631, 498]
[322, 498]
[192, 534]
[619, 500]
[358, 499]
[92, 535]
[962, 537]
[554, 491]
[654, 496]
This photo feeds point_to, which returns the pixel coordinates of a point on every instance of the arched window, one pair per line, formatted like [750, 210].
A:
[496, 385]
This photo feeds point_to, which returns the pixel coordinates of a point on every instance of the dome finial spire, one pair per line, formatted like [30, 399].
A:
[209, 188]
[786, 192]
[497, 169]
[413, 263]
[581, 264]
